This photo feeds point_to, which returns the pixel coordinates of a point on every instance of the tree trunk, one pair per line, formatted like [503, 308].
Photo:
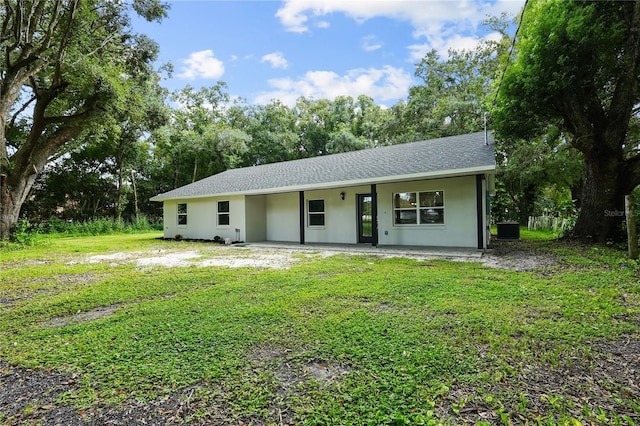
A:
[119, 195]
[135, 195]
[195, 169]
[27, 164]
[602, 202]
[632, 230]
[8, 212]
[14, 189]
[526, 204]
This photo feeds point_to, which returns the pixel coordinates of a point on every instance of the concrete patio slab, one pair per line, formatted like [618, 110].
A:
[410, 251]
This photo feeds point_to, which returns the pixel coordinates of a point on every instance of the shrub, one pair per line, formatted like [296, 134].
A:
[24, 233]
[97, 226]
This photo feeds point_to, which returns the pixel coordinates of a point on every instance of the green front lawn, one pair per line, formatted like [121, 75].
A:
[331, 340]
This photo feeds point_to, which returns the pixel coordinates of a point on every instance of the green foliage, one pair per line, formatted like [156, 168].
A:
[196, 142]
[27, 232]
[272, 132]
[455, 92]
[206, 136]
[536, 176]
[70, 68]
[23, 236]
[331, 340]
[113, 170]
[566, 49]
[575, 73]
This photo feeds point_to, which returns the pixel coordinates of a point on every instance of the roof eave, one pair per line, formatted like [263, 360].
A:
[340, 184]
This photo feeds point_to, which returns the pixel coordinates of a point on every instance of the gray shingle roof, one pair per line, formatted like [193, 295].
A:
[454, 155]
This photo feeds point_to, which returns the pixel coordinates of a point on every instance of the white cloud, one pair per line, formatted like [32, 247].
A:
[295, 15]
[382, 84]
[276, 59]
[202, 64]
[437, 24]
[369, 43]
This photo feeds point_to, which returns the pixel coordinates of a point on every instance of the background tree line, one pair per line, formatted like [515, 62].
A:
[172, 139]
[107, 136]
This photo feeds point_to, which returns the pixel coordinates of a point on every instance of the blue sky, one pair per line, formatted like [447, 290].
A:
[282, 50]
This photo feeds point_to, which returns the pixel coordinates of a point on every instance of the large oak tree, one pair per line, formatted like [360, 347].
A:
[65, 66]
[577, 66]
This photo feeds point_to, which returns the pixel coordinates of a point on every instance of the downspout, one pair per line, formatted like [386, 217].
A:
[480, 212]
[486, 136]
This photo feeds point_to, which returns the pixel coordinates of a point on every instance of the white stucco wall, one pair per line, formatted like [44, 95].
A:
[283, 217]
[202, 219]
[459, 229]
[276, 217]
[283, 220]
[341, 224]
[255, 218]
[169, 219]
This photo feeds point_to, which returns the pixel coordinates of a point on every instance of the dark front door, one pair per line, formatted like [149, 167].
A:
[365, 222]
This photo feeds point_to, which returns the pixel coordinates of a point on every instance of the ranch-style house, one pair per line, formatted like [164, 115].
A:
[428, 193]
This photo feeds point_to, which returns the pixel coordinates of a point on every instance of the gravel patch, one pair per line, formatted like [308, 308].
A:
[267, 260]
[517, 256]
[170, 260]
[238, 258]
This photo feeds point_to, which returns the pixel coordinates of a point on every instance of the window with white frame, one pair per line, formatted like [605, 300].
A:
[223, 213]
[182, 213]
[316, 213]
[418, 208]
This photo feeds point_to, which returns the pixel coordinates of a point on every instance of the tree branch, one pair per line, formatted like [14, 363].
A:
[626, 89]
[9, 13]
[19, 111]
[53, 24]
[577, 123]
[99, 48]
[66, 34]
[63, 119]
[35, 15]
[39, 148]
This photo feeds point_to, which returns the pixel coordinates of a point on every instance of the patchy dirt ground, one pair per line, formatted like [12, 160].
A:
[600, 382]
[233, 258]
[517, 256]
[34, 397]
[502, 254]
[611, 373]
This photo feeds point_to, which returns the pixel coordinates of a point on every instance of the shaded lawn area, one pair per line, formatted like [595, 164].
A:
[330, 340]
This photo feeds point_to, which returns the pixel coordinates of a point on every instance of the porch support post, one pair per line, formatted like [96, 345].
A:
[480, 211]
[374, 216]
[301, 217]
